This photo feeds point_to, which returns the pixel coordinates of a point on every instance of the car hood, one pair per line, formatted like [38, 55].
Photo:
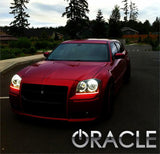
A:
[62, 70]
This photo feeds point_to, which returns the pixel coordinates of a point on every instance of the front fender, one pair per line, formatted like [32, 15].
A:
[105, 76]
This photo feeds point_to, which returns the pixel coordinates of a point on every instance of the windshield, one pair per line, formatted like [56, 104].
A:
[80, 52]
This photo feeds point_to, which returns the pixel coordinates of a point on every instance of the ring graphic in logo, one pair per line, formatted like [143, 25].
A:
[82, 136]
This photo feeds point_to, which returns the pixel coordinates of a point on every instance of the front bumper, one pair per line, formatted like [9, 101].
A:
[78, 108]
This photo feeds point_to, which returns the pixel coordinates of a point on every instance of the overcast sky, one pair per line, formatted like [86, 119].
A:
[48, 13]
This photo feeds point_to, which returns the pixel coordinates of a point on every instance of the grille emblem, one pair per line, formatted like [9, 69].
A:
[42, 92]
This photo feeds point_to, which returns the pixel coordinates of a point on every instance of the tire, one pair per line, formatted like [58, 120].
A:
[107, 107]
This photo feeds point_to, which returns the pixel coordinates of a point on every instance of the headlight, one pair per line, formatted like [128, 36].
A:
[88, 86]
[16, 81]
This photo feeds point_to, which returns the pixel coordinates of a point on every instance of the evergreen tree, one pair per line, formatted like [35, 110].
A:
[156, 25]
[76, 30]
[125, 9]
[146, 27]
[77, 18]
[99, 26]
[115, 14]
[114, 23]
[20, 21]
[133, 11]
[76, 10]
[99, 17]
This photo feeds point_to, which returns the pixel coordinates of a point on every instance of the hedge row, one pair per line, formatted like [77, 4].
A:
[26, 43]
[46, 45]
[24, 46]
[6, 53]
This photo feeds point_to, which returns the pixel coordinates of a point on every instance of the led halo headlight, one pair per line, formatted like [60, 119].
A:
[87, 86]
[16, 81]
[82, 86]
[92, 85]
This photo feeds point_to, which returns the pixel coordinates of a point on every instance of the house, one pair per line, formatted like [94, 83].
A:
[129, 31]
[4, 38]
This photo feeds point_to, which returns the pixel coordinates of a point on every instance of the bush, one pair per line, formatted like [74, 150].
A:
[13, 44]
[41, 45]
[32, 50]
[16, 51]
[55, 44]
[153, 42]
[24, 50]
[46, 45]
[7, 53]
[21, 43]
[10, 53]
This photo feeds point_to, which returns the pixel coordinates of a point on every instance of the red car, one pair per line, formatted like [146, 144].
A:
[76, 82]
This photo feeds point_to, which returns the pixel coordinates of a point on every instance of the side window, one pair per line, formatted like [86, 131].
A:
[122, 48]
[118, 47]
[113, 49]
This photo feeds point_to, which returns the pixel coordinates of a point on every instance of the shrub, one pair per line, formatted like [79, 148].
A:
[55, 44]
[13, 44]
[153, 42]
[6, 53]
[22, 54]
[25, 51]
[16, 51]
[41, 45]
[20, 43]
[10, 53]
[32, 50]
[46, 44]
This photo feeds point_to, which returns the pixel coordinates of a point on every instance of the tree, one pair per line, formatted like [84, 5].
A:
[76, 10]
[114, 23]
[125, 9]
[133, 11]
[146, 27]
[20, 21]
[77, 18]
[99, 17]
[156, 25]
[116, 14]
[99, 26]
[76, 30]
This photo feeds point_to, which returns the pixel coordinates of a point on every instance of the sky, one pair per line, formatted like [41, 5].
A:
[48, 13]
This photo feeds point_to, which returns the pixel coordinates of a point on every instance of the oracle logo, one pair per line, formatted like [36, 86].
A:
[81, 139]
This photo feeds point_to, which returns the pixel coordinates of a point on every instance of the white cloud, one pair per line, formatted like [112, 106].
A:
[49, 14]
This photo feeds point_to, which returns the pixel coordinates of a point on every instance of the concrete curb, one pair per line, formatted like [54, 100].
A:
[6, 65]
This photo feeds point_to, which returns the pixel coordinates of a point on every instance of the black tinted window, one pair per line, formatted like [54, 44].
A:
[118, 46]
[122, 48]
[114, 49]
[80, 52]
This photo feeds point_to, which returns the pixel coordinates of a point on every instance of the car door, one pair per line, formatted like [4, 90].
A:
[118, 66]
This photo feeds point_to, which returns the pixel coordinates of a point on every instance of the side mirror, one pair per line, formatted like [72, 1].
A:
[119, 56]
[46, 54]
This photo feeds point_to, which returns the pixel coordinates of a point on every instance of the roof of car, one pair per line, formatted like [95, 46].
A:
[101, 41]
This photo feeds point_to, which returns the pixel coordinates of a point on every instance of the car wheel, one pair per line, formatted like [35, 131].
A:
[107, 106]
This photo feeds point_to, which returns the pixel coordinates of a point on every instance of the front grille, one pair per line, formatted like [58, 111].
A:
[44, 100]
